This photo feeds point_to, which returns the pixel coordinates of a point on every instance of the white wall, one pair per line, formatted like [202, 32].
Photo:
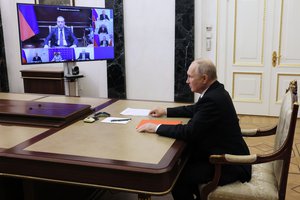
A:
[149, 43]
[11, 42]
[149, 48]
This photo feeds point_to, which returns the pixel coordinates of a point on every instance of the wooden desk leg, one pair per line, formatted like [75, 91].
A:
[144, 197]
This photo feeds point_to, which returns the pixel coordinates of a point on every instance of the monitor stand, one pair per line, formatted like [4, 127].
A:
[71, 80]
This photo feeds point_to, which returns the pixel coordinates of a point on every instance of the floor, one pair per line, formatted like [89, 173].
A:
[256, 146]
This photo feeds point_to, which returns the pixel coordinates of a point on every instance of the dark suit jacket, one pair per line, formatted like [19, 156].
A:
[36, 59]
[53, 37]
[103, 17]
[213, 127]
[104, 43]
[87, 56]
[102, 30]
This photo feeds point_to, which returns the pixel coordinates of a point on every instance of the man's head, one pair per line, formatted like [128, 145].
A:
[201, 74]
[60, 22]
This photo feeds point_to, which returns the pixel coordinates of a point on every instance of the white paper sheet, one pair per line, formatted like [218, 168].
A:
[116, 120]
[135, 112]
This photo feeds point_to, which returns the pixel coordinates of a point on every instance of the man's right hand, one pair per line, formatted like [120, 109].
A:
[158, 112]
[148, 127]
[46, 46]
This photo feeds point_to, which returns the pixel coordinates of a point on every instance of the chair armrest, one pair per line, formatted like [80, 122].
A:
[229, 159]
[219, 160]
[249, 132]
[233, 159]
[259, 132]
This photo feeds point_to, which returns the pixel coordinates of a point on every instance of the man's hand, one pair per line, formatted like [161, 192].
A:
[73, 46]
[148, 127]
[158, 112]
[46, 46]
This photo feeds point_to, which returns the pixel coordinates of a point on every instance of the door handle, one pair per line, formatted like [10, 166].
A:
[274, 58]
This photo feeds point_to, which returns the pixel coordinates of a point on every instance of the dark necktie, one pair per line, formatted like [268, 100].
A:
[61, 38]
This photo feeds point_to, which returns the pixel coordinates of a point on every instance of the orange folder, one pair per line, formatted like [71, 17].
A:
[159, 121]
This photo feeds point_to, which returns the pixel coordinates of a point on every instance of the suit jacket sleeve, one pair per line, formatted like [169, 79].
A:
[181, 111]
[51, 37]
[70, 38]
[203, 115]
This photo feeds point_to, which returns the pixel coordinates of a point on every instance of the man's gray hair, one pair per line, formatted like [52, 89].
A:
[206, 66]
[60, 17]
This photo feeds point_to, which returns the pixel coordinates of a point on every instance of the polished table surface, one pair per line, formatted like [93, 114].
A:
[95, 154]
[93, 102]
[17, 96]
[40, 113]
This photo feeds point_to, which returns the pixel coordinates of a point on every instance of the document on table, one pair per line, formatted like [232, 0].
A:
[159, 121]
[135, 112]
[116, 120]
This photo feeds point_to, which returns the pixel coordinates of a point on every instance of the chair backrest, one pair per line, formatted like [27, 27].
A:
[51, 27]
[285, 136]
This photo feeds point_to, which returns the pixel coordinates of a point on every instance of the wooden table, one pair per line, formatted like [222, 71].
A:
[111, 156]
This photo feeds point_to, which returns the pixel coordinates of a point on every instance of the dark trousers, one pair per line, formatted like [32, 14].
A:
[197, 173]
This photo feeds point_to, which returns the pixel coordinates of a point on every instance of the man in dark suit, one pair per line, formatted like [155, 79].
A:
[102, 29]
[104, 42]
[61, 36]
[36, 58]
[213, 129]
[103, 16]
[84, 55]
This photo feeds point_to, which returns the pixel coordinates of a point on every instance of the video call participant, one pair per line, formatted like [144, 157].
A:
[213, 129]
[104, 42]
[57, 57]
[36, 58]
[102, 29]
[103, 16]
[83, 55]
[61, 36]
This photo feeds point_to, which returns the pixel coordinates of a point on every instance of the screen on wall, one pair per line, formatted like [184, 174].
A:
[52, 33]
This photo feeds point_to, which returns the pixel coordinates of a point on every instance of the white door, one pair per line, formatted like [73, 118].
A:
[286, 44]
[254, 30]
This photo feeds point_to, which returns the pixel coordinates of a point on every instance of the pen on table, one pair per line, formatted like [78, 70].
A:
[120, 120]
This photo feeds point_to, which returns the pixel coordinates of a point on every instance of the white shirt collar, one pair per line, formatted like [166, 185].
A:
[201, 95]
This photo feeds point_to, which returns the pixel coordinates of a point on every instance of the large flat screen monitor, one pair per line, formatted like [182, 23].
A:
[53, 33]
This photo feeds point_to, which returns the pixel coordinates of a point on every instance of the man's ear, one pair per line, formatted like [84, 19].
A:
[205, 78]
